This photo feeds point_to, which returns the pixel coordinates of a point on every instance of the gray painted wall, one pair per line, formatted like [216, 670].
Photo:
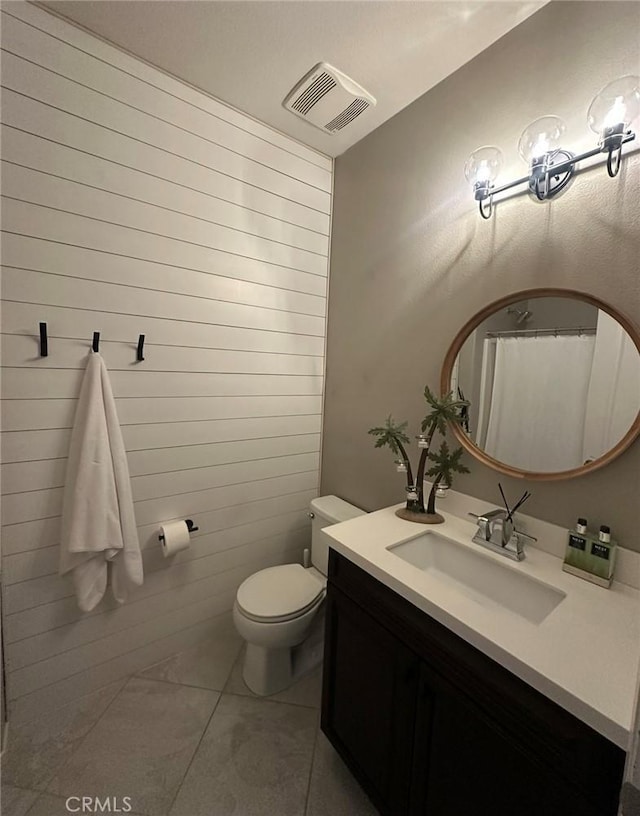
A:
[412, 260]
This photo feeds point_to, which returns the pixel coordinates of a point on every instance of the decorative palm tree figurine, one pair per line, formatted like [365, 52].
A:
[443, 410]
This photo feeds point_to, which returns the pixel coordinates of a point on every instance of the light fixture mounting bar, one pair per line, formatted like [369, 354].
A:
[561, 167]
[551, 166]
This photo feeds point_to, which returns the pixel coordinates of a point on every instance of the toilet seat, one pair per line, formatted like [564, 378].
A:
[278, 594]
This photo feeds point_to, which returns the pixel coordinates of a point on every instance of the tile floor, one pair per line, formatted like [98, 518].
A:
[185, 737]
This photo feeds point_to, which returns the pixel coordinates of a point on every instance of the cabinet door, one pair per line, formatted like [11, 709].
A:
[369, 699]
[466, 763]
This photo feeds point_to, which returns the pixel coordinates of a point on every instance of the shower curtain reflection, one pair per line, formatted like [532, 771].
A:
[538, 390]
[614, 388]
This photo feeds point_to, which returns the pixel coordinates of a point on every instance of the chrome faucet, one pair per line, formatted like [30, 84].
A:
[496, 532]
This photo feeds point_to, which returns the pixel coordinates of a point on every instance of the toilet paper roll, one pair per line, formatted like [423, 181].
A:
[175, 537]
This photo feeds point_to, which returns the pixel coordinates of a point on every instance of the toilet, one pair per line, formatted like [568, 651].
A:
[276, 608]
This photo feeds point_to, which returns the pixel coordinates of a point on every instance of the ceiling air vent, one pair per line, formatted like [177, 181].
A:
[328, 99]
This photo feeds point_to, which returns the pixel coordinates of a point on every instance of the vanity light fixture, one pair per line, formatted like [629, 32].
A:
[551, 166]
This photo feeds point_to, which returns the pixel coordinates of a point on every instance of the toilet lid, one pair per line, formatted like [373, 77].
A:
[279, 591]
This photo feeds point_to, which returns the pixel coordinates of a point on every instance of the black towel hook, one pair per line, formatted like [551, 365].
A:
[96, 341]
[44, 341]
[140, 348]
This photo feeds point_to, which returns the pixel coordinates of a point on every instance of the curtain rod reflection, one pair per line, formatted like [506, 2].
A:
[535, 332]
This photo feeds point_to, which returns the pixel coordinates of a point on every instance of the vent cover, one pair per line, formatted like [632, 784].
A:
[328, 99]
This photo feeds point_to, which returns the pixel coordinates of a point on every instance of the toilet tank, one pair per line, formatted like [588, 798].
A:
[327, 510]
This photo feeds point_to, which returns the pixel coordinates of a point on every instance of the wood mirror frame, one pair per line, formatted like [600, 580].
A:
[474, 322]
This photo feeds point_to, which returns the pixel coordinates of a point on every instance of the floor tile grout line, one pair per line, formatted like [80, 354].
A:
[126, 681]
[239, 657]
[20, 788]
[244, 696]
[204, 731]
[269, 700]
[142, 676]
[45, 789]
[39, 795]
[313, 759]
[31, 807]
[176, 683]
[193, 756]
[26, 790]
[84, 739]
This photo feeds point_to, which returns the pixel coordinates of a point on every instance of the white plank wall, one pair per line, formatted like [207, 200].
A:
[132, 204]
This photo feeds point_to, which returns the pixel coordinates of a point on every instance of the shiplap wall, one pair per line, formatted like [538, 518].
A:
[134, 204]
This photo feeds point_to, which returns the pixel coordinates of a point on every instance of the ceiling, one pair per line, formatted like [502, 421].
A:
[250, 53]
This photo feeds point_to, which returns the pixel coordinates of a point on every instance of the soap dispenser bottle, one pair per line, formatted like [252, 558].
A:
[577, 554]
[602, 556]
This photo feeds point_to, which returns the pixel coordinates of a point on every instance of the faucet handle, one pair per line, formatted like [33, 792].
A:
[486, 522]
[490, 515]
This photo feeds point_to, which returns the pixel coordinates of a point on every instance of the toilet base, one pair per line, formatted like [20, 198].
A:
[267, 671]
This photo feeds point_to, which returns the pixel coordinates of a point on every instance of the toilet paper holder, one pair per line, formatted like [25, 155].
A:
[191, 527]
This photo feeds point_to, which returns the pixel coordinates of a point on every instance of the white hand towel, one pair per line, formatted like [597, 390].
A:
[98, 521]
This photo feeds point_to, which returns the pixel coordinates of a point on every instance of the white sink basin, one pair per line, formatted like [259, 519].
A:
[479, 577]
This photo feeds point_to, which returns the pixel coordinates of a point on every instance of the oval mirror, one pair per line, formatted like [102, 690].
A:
[552, 377]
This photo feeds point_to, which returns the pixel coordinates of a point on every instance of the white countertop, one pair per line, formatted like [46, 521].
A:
[585, 655]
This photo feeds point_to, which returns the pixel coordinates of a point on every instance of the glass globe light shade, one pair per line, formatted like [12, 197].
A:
[618, 103]
[541, 137]
[483, 165]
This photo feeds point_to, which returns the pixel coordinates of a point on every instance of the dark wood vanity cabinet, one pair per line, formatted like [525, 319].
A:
[372, 701]
[430, 726]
